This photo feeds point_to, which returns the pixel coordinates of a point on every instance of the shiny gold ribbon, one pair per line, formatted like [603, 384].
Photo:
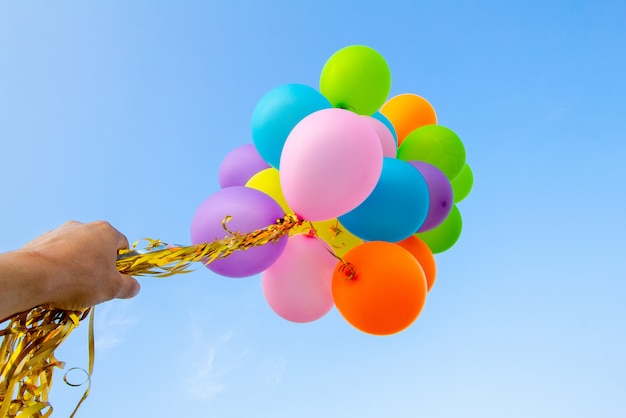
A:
[29, 340]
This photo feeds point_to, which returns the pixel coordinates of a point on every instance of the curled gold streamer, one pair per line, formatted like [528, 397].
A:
[30, 338]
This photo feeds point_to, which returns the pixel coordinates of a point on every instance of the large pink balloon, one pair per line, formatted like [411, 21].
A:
[298, 286]
[330, 163]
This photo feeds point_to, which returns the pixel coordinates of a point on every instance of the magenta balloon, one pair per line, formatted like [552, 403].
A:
[440, 193]
[298, 285]
[250, 210]
[390, 149]
[240, 165]
[330, 163]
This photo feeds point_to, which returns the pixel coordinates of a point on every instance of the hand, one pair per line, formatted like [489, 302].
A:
[77, 265]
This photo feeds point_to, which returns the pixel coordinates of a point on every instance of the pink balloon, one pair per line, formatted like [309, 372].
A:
[298, 285]
[330, 163]
[390, 149]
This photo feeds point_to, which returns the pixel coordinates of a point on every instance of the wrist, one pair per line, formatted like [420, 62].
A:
[24, 281]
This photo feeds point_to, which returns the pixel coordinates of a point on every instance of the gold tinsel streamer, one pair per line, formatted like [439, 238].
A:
[30, 338]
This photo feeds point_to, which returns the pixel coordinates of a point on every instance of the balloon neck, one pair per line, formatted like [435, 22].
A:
[345, 107]
[348, 270]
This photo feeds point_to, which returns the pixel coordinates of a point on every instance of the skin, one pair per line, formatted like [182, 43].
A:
[71, 267]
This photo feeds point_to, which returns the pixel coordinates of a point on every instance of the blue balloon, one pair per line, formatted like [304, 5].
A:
[276, 114]
[387, 123]
[396, 208]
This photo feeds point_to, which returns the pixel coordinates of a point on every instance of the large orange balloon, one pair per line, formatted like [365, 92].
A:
[424, 257]
[407, 112]
[387, 291]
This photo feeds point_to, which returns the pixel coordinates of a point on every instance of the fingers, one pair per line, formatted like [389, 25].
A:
[128, 287]
[122, 242]
[118, 239]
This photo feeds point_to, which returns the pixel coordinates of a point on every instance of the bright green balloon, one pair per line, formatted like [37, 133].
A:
[462, 184]
[436, 145]
[356, 78]
[445, 235]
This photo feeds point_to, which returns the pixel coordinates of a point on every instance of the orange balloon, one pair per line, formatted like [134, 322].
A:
[423, 255]
[407, 112]
[387, 291]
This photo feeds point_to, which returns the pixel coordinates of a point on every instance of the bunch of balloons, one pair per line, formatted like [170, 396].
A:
[376, 179]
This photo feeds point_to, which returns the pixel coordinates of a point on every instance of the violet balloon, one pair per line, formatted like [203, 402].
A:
[298, 286]
[250, 210]
[240, 165]
[440, 192]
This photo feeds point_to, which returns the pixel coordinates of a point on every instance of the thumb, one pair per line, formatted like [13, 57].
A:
[128, 288]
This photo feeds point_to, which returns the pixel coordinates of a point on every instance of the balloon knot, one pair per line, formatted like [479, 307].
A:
[346, 107]
[348, 270]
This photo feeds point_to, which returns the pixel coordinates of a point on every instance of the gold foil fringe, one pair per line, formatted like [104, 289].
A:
[29, 340]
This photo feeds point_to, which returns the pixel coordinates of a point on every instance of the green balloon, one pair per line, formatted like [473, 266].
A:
[462, 184]
[445, 235]
[356, 78]
[436, 145]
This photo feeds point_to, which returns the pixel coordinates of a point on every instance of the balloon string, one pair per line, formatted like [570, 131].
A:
[161, 260]
[92, 354]
[225, 221]
[346, 268]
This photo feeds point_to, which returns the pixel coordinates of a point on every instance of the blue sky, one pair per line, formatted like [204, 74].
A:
[123, 111]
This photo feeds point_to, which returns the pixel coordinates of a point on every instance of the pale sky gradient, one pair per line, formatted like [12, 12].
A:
[123, 111]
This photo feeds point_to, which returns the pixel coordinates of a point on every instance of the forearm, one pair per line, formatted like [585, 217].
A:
[23, 282]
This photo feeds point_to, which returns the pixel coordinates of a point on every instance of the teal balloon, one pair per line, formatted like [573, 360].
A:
[436, 145]
[276, 114]
[396, 208]
[388, 124]
[356, 78]
[462, 184]
[446, 234]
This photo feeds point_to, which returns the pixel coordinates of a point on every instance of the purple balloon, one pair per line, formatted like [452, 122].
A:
[240, 165]
[250, 210]
[440, 191]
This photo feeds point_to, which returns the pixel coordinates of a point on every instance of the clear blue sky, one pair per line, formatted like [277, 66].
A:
[123, 111]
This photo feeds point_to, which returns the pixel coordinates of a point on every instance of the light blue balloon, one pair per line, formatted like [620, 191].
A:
[276, 114]
[387, 123]
[396, 208]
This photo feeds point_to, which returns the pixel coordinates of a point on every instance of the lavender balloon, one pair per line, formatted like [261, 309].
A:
[440, 191]
[240, 165]
[250, 210]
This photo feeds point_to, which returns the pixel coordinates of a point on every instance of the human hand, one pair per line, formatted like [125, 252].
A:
[76, 264]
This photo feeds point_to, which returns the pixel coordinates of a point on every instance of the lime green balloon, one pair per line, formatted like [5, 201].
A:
[462, 184]
[445, 235]
[436, 145]
[356, 78]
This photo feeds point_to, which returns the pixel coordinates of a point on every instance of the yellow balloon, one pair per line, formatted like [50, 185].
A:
[268, 181]
[338, 238]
